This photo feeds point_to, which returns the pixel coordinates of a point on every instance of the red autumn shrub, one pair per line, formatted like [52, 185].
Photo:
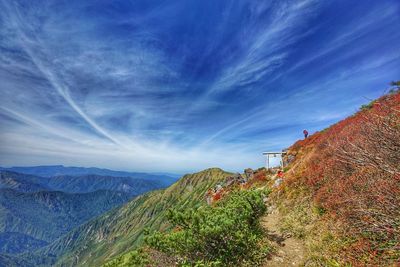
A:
[353, 171]
[260, 175]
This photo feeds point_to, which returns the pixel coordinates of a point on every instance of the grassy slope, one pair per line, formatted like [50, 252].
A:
[121, 229]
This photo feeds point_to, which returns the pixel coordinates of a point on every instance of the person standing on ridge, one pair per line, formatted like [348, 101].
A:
[305, 132]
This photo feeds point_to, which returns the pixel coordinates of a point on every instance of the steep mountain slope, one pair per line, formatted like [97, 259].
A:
[120, 229]
[60, 170]
[40, 217]
[342, 189]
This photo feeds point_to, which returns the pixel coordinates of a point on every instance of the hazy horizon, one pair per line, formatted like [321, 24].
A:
[180, 86]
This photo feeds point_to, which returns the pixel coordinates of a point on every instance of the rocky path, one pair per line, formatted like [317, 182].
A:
[290, 251]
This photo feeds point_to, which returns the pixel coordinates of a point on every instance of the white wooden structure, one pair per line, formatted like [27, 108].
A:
[274, 155]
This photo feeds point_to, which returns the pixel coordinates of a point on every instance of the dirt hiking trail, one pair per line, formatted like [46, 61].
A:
[290, 251]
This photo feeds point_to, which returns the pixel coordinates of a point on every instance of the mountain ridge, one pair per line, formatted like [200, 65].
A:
[117, 230]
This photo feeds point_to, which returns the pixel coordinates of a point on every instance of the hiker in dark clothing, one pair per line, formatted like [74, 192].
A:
[305, 132]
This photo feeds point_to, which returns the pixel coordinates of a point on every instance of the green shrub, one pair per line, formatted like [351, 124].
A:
[367, 106]
[228, 234]
[135, 258]
[286, 169]
[395, 84]
[319, 210]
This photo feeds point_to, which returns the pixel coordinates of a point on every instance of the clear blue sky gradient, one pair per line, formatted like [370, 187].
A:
[184, 85]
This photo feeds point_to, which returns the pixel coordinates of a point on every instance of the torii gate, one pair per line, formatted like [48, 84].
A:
[274, 154]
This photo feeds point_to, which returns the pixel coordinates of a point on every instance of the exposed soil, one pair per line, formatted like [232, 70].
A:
[159, 259]
[290, 251]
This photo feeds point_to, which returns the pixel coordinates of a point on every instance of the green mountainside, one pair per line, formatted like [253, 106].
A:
[119, 230]
[41, 217]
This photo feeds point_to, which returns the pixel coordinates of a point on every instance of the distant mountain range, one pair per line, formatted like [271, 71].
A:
[57, 170]
[36, 210]
[77, 184]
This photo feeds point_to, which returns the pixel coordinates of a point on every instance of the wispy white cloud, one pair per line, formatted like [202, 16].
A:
[264, 54]
[28, 44]
[360, 27]
[180, 86]
[266, 47]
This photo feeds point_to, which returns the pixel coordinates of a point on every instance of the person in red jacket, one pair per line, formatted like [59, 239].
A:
[305, 132]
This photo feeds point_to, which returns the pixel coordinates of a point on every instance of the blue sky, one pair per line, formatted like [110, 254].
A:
[184, 85]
